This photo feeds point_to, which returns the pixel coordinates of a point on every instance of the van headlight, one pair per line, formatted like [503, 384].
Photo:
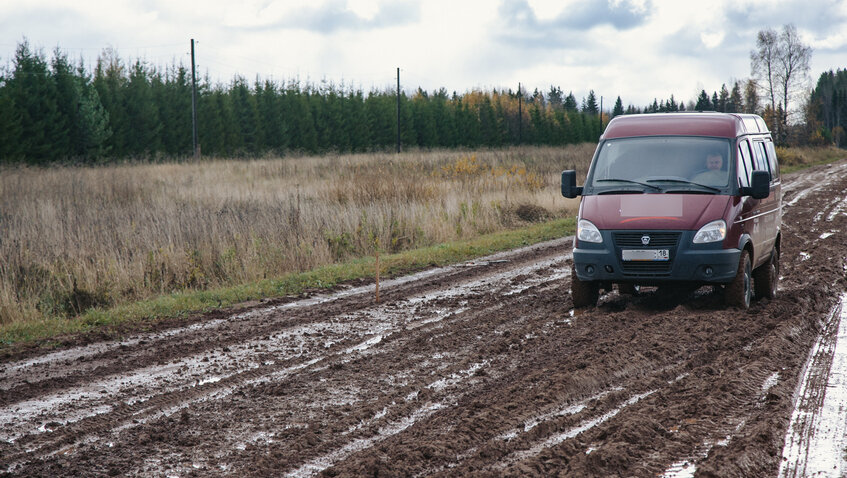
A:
[585, 231]
[712, 232]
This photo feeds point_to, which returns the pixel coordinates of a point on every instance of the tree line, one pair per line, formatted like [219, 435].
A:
[60, 111]
[827, 108]
[56, 111]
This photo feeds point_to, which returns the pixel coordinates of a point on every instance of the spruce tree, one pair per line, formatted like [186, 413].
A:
[735, 103]
[381, 120]
[570, 102]
[172, 94]
[143, 137]
[68, 99]
[246, 117]
[110, 83]
[618, 109]
[589, 105]
[424, 120]
[445, 119]
[723, 99]
[752, 100]
[357, 121]
[555, 97]
[94, 130]
[703, 103]
[672, 104]
[304, 125]
[408, 136]
[10, 128]
[33, 94]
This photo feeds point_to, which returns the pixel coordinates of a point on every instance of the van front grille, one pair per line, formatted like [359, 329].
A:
[657, 239]
[656, 269]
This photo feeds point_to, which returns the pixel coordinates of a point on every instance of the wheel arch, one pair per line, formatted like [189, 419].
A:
[745, 243]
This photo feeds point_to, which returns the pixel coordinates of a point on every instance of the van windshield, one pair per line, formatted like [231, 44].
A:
[662, 164]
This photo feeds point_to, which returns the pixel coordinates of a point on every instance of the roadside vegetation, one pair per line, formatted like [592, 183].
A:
[87, 246]
[797, 158]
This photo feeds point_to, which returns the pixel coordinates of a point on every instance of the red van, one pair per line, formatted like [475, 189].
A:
[679, 199]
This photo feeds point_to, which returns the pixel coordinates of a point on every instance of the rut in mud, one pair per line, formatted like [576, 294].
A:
[481, 368]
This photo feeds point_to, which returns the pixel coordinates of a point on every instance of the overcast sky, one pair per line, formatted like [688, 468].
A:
[636, 49]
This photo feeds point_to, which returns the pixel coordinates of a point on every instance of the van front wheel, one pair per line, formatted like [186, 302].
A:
[583, 293]
[765, 278]
[739, 292]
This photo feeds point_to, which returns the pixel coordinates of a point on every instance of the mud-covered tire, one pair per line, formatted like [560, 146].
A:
[766, 277]
[629, 289]
[739, 292]
[583, 293]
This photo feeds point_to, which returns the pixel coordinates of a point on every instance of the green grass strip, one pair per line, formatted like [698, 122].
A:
[184, 304]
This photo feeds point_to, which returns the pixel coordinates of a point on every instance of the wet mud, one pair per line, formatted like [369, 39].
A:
[482, 369]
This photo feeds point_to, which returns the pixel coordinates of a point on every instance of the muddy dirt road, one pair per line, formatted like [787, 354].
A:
[479, 369]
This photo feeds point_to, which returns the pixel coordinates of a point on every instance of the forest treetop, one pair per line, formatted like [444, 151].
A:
[59, 111]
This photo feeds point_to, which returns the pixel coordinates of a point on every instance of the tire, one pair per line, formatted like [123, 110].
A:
[765, 278]
[583, 293]
[628, 288]
[739, 292]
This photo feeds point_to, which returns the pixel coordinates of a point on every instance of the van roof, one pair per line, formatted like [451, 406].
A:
[722, 125]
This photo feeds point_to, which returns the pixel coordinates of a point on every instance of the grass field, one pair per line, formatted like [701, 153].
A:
[81, 239]
[793, 159]
[85, 247]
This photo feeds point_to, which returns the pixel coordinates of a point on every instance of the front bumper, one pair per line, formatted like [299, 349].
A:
[688, 262]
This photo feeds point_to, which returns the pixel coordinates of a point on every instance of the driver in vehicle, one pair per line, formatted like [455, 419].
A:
[714, 174]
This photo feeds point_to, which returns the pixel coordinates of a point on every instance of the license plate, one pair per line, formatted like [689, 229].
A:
[646, 254]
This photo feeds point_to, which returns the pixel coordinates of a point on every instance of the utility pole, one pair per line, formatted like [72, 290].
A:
[398, 110]
[520, 115]
[196, 150]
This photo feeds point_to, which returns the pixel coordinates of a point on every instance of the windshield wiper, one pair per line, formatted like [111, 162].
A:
[685, 181]
[621, 191]
[629, 181]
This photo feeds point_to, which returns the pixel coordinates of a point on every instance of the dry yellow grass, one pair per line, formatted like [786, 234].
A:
[73, 238]
[792, 159]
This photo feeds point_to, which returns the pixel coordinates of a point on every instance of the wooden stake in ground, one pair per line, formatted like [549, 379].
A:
[377, 271]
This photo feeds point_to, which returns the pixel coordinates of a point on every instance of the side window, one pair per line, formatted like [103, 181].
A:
[760, 161]
[745, 164]
[772, 160]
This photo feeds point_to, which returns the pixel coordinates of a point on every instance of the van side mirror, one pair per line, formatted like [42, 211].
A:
[569, 188]
[760, 185]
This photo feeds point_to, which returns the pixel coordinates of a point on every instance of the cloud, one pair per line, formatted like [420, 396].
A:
[621, 15]
[723, 49]
[46, 29]
[818, 17]
[520, 26]
[580, 16]
[336, 16]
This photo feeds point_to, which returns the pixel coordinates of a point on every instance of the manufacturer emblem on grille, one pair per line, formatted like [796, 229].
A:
[645, 239]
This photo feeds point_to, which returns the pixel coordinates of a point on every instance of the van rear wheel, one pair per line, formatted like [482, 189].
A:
[739, 292]
[583, 293]
[765, 278]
